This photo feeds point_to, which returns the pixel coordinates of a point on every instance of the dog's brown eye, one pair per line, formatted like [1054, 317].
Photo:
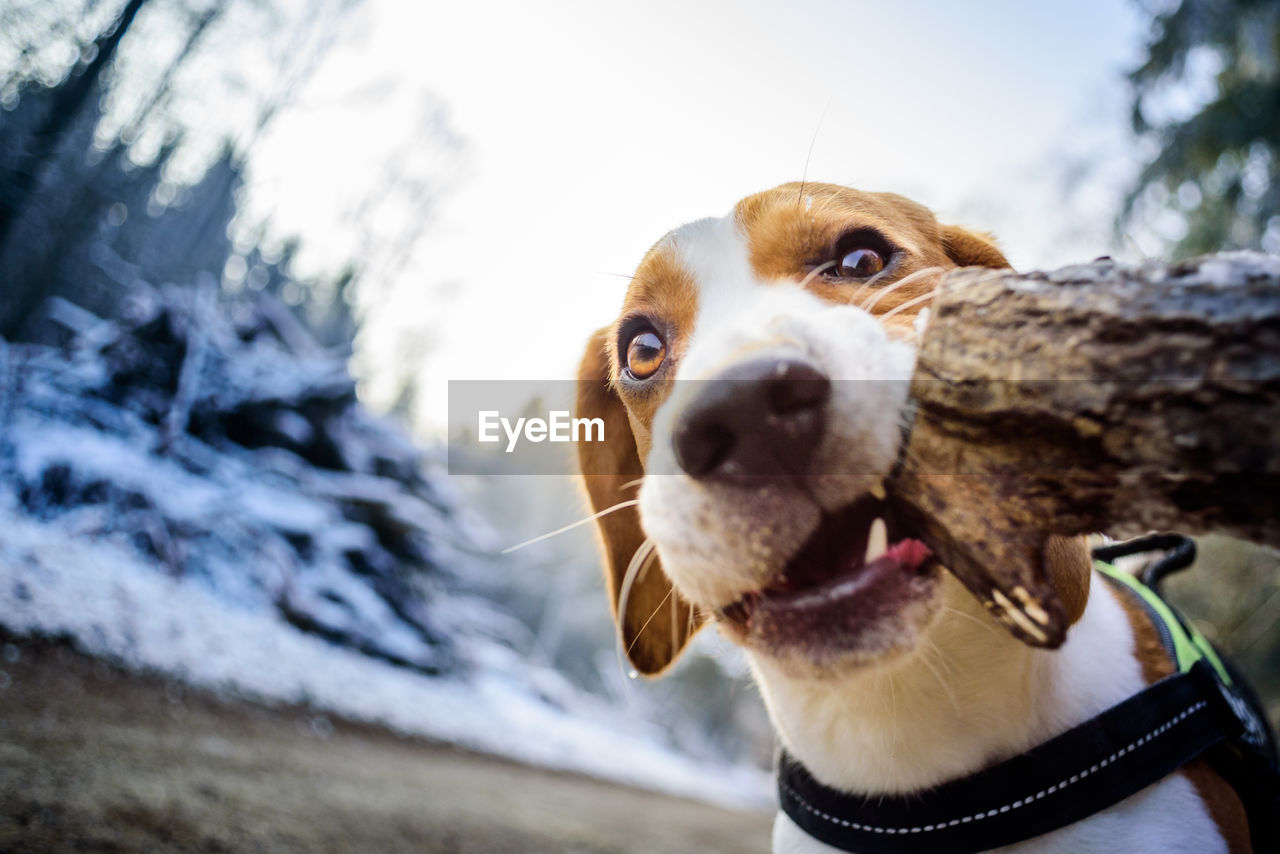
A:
[860, 263]
[645, 354]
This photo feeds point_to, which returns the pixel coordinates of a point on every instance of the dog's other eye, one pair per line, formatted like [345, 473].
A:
[645, 354]
[858, 255]
[860, 263]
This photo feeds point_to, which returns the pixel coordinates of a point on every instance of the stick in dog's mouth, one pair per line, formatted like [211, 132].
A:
[857, 569]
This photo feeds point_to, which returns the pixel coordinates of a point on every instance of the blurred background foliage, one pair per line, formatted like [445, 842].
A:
[1206, 114]
[113, 170]
[1232, 593]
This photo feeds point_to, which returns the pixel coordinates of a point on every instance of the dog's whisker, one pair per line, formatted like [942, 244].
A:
[927, 648]
[638, 565]
[986, 626]
[675, 621]
[814, 273]
[632, 483]
[632, 277]
[893, 717]
[875, 297]
[805, 173]
[1133, 244]
[639, 561]
[923, 297]
[866, 286]
[636, 639]
[898, 309]
[621, 505]
[874, 300]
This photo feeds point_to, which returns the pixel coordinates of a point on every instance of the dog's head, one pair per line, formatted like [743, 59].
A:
[753, 390]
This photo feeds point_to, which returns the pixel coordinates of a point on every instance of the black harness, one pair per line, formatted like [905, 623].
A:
[1205, 709]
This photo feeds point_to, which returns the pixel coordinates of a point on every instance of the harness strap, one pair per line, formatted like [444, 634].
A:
[1184, 642]
[1084, 770]
[1186, 646]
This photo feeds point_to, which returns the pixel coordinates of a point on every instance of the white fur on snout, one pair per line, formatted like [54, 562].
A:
[718, 541]
[870, 377]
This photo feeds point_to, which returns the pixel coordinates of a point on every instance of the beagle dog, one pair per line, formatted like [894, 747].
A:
[752, 390]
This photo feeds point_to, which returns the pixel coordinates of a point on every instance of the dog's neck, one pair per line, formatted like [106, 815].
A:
[969, 695]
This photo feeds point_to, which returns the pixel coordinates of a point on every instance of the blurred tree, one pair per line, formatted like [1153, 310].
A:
[36, 152]
[60, 113]
[80, 217]
[1206, 105]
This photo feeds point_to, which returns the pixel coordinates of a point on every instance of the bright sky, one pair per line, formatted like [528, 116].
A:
[592, 128]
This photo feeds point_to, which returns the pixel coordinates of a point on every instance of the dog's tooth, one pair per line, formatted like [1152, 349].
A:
[1040, 615]
[877, 489]
[1020, 619]
[877, 540]
[1031, 606]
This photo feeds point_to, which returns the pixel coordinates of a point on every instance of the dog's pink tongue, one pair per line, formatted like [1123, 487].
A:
[908, 553]
[845, 613]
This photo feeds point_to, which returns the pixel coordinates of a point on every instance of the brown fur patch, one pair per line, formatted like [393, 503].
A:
[791, 229]
[1070, 570]
[1224, 805]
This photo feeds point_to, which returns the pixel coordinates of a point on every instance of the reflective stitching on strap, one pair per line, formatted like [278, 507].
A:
[978, 816]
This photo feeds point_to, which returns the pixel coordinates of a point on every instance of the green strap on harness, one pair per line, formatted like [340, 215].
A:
[1189, 646]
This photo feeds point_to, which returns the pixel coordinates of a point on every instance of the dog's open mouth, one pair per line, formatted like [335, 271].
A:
[857, 571]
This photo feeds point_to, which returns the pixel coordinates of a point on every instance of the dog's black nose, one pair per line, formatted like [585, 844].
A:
[762, 417]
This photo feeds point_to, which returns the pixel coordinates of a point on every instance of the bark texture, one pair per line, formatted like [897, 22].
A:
[1098, 397]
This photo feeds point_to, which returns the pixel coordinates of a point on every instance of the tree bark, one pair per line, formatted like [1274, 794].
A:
[1099, 397]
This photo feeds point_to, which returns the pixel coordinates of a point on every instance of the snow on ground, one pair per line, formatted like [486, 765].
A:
[112, 605]
[187, 492]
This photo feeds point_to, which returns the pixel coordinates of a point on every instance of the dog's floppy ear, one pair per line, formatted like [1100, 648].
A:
[655, 622]
[971, 248]
[1070, 569]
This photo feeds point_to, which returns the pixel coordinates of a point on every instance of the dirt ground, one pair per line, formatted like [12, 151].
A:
[94, 759]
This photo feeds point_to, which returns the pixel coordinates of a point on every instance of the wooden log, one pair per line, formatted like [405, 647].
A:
[1096, 398]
